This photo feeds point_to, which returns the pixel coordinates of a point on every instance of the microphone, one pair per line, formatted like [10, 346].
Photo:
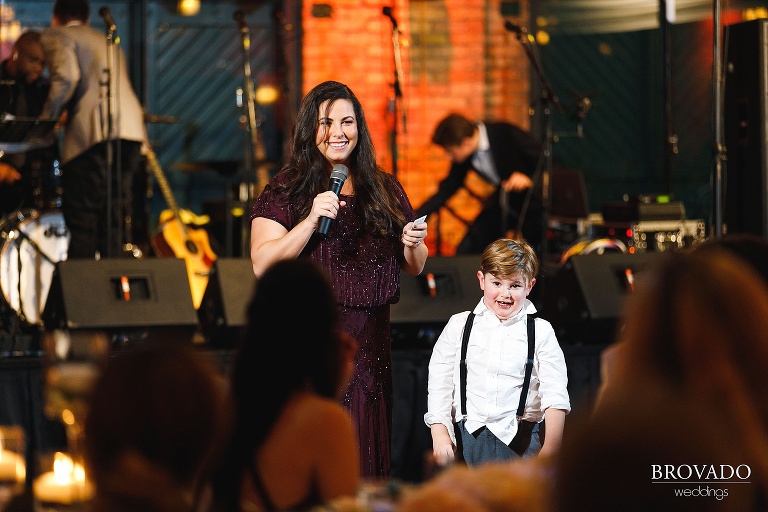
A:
[104, 13]
[338, 176]
[517, 29]
[387, 11]
[240, 19]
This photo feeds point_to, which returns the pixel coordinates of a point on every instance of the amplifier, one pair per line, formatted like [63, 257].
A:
[651, 235]
[642, 210]
[663, 235]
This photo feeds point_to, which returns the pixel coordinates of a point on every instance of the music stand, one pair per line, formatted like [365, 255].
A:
[19, 134]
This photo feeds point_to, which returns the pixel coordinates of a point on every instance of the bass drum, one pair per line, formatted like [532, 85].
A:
[31, 245]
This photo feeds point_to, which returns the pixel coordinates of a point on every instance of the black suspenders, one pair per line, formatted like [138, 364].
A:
[528, 364]
[463, 367]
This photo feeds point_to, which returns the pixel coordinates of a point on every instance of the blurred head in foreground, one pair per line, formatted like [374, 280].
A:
[686, 385]
[152, 427]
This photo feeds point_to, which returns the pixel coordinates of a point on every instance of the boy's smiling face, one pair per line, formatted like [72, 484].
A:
[504, 297]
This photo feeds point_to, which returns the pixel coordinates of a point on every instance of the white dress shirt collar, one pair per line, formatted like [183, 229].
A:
[483, 144]
[482, 159]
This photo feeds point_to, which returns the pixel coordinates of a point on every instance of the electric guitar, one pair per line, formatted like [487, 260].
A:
[175, 239]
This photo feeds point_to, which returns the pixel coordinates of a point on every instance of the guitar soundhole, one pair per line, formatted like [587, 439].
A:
[191, 247]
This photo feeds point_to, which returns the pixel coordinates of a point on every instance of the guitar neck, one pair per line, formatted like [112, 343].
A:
[157, 171]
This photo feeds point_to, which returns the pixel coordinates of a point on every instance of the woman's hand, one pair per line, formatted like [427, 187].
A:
[326, 204]
[414, 250]
[413, 236]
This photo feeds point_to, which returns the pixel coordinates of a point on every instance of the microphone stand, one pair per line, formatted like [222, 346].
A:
[397, 88]
[720, 149]
[252, 152]
[548, 99]
[671, 139]
[111, 42]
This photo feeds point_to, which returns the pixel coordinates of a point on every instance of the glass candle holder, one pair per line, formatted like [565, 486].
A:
[13, 468]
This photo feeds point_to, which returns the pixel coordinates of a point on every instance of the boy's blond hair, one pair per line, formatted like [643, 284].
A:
[506, 258]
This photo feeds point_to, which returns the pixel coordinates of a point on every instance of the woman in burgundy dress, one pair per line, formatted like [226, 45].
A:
[370, 239]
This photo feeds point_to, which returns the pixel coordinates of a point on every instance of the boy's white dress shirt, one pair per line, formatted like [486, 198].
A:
[496, 356]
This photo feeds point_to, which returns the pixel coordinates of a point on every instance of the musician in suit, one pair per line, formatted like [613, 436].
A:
[26, 177]
[504, 155]
[78, 56]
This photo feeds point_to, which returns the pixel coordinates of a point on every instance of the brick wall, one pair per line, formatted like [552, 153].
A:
[456, 56]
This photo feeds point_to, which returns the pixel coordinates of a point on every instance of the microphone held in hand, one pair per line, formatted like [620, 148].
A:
[338, 176]
[104, 13]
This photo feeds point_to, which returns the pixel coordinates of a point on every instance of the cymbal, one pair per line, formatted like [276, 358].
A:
[152, 118]
[223, 167]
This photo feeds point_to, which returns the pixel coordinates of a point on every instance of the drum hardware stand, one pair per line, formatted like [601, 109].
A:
[10, 323]
[19, 235]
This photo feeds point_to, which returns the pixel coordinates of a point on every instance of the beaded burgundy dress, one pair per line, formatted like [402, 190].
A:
[365, 273]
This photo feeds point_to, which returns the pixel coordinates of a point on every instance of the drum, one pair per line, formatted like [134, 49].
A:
[31, 243]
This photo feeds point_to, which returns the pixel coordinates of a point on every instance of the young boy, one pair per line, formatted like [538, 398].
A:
[486, 414]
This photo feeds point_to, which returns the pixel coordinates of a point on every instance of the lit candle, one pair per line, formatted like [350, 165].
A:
[12, 466]
[66, 484]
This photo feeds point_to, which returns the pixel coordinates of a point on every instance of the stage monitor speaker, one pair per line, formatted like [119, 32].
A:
[116, 294]
[584, 299]
[746, 128]
[222, 312]
[446, 286]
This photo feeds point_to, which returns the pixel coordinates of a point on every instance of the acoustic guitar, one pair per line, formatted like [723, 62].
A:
[175, 239]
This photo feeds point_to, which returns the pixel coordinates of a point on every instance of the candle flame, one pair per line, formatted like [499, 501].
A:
[63, 466]
[67, 470]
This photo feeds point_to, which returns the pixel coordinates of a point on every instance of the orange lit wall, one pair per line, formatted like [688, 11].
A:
[456, 56]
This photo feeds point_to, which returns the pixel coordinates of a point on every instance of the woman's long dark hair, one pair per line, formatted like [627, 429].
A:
[309, 170]
[291, 343]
